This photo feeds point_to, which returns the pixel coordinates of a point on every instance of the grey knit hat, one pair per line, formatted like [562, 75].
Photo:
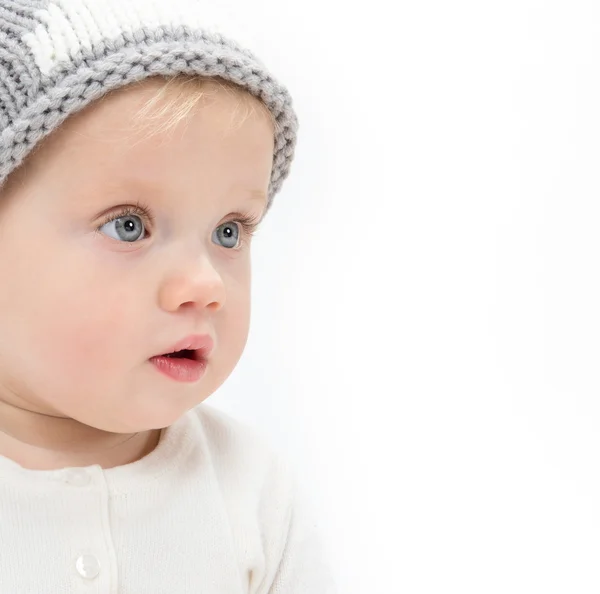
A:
[57, 56]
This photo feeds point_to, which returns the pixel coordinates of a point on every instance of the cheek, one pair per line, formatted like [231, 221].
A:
[234, 321]
[92, 331]
[79, 325]
[64, 331]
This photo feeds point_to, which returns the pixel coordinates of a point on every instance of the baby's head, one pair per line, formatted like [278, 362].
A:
[124, 230]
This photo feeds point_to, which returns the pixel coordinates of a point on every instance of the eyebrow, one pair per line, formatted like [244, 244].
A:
[258, 195]
[142, 184]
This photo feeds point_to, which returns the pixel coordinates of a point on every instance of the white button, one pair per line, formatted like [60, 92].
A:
[77, 477]
[88, 566]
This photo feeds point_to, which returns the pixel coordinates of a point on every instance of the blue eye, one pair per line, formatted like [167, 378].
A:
[128, 227]
[229, 233]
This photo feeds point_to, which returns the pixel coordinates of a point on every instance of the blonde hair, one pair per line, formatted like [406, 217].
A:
[179, 95]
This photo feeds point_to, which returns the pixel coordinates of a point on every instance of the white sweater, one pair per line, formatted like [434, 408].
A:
[212, 510]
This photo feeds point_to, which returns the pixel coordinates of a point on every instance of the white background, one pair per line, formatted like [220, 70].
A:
[425, 335]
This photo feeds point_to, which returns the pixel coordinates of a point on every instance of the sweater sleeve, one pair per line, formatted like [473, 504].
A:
[297, 563]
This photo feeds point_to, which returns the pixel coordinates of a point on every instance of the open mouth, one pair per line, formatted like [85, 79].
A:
[187, 360]
[185, 354]
[186, 365]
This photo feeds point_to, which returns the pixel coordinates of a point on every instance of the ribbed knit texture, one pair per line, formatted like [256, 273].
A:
[212, 510]
[57, 57]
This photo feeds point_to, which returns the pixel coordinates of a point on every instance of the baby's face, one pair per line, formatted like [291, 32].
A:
[84, 304]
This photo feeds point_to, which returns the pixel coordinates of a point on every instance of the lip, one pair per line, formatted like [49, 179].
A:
[180, 370]
[201, 344]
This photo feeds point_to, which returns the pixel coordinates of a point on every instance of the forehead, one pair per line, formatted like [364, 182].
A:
[205, 148]
[115, 118]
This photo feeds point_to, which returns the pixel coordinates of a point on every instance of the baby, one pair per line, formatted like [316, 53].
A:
[139, 151]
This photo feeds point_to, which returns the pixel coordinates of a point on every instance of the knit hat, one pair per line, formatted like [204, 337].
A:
[57, 56]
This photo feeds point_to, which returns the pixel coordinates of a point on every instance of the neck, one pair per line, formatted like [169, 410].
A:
[39, 441]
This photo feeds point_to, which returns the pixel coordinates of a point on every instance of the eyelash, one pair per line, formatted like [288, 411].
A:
[248, 222]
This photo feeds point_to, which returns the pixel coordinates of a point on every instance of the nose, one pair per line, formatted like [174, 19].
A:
[199, 285]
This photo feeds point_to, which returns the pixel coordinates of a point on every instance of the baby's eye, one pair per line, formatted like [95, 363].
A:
[229, 233]
[128, 228]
